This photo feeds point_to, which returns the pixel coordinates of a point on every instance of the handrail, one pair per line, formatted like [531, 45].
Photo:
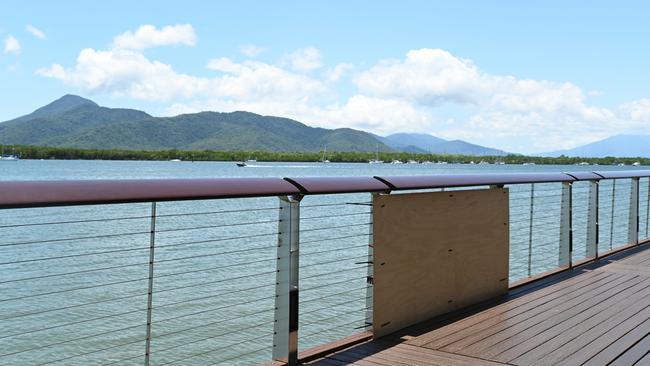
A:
[23, 194]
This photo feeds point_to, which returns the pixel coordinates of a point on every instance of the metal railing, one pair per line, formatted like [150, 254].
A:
[242, 271]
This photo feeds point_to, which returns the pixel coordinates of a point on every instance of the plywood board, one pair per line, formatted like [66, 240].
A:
[435, 252]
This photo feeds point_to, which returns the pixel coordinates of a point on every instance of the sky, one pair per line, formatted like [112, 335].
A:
[524, 77]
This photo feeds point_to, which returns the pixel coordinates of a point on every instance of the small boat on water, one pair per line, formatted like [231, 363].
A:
[175, 160]
[9, 158]
[241, 164]
[324, 158]
[376, 159]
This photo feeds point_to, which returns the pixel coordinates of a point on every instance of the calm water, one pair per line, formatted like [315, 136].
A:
[73, 281]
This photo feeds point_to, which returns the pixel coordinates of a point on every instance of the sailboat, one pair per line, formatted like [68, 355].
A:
[376, 159]
[12, 157]
[323, 159]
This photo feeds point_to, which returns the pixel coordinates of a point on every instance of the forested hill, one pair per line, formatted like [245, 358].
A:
[72, 121]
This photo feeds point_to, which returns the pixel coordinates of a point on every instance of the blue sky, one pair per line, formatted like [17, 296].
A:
[513, 75]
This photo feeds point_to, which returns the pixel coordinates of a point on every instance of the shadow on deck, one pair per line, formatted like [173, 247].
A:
[596, 314]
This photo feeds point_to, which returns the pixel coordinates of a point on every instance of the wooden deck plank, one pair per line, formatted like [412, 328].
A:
[466, 327]
[514, 342]
[635, 259]
[418, 356]
[449, 357]
[588, 330]
[627, 269]
[394, 356]
[498, 327]
[634, 355]
[355, 359]
[619, 346]
[586, 351]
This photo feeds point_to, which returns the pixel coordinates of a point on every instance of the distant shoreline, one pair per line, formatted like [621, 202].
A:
[64, 153]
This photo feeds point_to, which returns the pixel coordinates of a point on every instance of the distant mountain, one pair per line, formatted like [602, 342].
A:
[72, 121]
[423, 143]
[631, 146]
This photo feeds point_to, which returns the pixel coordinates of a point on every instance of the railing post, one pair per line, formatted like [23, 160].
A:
[530, 229]
[633, 223]
[647, 211]
[285, 329]
[591, 250]
[370, 274]
[612, 212]
[152, 243]
[566, 234]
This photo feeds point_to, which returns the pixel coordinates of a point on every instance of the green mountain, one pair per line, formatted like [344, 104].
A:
[72, 121]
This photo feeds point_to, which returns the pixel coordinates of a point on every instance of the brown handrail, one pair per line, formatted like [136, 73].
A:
[17, 194]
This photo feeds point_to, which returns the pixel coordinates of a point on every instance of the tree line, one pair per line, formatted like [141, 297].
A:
[67, 153]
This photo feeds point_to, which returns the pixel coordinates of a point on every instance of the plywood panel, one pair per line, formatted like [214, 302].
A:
[437, 252]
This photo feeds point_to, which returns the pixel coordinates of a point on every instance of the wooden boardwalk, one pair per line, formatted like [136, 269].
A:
[595, 315]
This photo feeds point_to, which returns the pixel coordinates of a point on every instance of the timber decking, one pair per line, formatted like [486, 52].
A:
[598, 314]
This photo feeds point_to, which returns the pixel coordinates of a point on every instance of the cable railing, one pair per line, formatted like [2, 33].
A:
[243, 271]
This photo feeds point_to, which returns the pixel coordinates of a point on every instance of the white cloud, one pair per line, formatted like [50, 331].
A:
[126, 73]
[305, 59]
[35, 31]
[636, 110]
[334, 74]
[379, 115]
[224, 64]
[129, 73]
[12, 45]
[519, 114]
[250, 50]
[148, 36]
[255, 81]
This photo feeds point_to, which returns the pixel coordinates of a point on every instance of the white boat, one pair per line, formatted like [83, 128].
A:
[175, 160]
[9, 158]
[636, 163]
[397, 161]
[376, 159]
[323, 159]
[412, 162]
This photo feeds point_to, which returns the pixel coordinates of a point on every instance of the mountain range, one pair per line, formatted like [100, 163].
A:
[624, 146]
[73, 121]
[425, 143]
